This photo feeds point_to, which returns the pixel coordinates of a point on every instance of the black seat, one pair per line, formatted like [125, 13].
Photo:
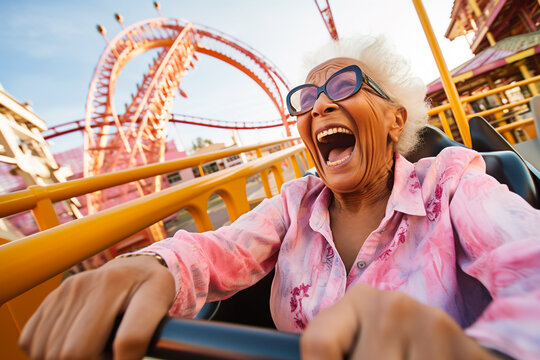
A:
[523, 179]
[502, 162]
[431, 142]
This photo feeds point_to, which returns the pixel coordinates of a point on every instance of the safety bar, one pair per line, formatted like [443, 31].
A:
[212, 340]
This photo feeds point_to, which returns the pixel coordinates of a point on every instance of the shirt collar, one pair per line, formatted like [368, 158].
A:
[406, 196]
[320, 214]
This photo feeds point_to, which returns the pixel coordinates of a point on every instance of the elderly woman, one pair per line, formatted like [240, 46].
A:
[379, 258]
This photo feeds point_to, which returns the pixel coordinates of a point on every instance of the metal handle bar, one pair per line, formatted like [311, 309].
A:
[213, 340]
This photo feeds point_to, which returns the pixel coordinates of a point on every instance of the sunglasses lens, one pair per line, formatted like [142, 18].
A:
[342, 85]
[303, 99]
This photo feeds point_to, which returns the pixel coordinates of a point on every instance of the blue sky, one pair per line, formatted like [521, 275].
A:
[49, 50]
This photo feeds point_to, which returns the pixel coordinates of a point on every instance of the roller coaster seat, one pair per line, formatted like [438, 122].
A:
[503, 163]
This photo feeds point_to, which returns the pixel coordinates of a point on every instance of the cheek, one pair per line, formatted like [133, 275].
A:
[303, 124]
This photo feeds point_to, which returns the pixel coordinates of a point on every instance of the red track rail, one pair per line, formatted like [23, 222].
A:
[328, 18]
[79, 125]
[114, 140]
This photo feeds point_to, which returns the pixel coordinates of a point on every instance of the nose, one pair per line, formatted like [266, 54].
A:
[323, 105]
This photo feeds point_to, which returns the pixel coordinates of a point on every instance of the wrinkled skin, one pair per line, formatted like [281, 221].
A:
[376, 124]
[75, 320]
[368, 323]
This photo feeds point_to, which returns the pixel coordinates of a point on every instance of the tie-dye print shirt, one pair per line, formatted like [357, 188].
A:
[448, 227]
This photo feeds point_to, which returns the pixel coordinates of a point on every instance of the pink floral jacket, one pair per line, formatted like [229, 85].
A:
[448, 228]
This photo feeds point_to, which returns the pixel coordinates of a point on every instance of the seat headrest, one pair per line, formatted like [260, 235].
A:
[505, 166]
[432, 140]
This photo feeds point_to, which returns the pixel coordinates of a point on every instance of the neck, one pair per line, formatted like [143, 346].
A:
[372, 196]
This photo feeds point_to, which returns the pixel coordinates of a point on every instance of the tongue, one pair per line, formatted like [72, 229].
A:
[339, 153]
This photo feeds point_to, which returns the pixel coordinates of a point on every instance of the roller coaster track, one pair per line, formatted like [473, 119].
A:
[79, 125]
[115, 140]
[324, 8]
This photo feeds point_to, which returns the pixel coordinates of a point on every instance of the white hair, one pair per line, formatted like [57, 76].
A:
[391, 71]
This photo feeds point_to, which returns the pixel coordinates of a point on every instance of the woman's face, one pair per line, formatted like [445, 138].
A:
[351, 141]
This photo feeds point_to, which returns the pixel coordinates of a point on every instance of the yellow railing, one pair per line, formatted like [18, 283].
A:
[39, 198]
[439, 110]
[56, 250]
[31, 267]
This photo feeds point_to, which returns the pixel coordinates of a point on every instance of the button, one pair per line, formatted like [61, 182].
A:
[361, 264]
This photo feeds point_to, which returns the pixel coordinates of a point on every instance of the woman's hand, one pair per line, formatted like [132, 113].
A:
[75, 320]
[373, 324]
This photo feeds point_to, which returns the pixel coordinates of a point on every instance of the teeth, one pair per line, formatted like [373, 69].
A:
[324, 133]
[337, 162]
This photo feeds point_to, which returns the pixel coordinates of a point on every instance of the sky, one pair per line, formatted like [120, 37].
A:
[49, 50]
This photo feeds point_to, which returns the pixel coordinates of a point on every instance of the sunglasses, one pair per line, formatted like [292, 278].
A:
[341, 85]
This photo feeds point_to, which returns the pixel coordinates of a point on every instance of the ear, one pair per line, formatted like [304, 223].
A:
[400, 117]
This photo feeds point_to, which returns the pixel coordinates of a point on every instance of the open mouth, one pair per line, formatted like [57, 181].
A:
[336, 145]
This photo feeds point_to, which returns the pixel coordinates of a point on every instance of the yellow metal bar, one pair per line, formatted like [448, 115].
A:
[493, 86]
[515, 125]
[445, 126]
[266, 184]
[9, 336]
[235, 198]
[201, 171]
[303, 160]
[25, 200]
[197, 210]
[520, 55]
[43, 212]
[278, 176]
[527, 75]
[500, 108]
[490, 38]
[264, 178]
[295, 167]
[449, 86]
[471, 98]
[52, 252]
[310, 161]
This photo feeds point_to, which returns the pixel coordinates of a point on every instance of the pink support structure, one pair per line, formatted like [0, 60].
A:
[115, 140]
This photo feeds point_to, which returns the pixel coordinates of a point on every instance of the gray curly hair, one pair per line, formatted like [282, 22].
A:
[393, 74]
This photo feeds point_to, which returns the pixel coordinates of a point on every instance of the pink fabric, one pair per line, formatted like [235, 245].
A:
[442, 211]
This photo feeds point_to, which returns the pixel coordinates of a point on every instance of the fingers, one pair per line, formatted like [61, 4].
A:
[365, 324]
[331, 334]
[373, 324]
[64, 325]
[75, 320]
[35, 334]
[87, 330]
[146, 309]
[57, 324]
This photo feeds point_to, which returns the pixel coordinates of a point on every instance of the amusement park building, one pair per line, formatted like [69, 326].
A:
[73, 159]
[503, 35]
[26, 160]
[216, 165]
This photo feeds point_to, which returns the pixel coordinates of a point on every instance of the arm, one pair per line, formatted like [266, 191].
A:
[500, 237]
[75, 320]
[216, 264]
